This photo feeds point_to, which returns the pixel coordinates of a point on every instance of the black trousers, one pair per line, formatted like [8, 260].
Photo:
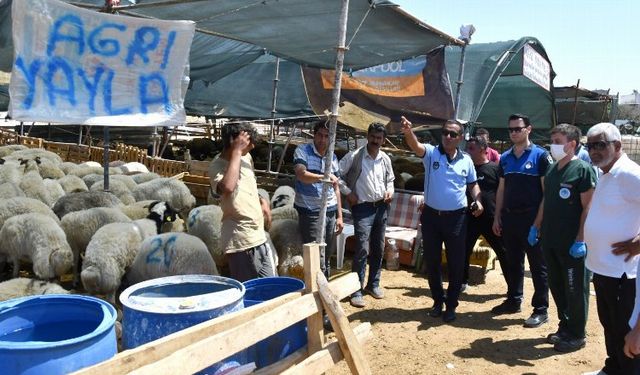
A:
[615, 298]
[515, 229]
[477, 226]
[451, 229]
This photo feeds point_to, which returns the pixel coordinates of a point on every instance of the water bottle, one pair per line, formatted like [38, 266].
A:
[392, 255]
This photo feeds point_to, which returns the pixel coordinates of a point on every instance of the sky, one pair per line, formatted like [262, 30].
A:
[595, 41]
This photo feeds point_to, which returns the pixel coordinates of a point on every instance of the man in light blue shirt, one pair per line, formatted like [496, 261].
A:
[449, 174]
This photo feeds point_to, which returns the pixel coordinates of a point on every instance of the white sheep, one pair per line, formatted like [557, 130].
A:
[54, 188]
[9, 149]
[117, 188]
[286, 238]
[67, 167]
[39, 239]
[85, 169]
[80, 226]
[92, 178]
[145, 177]
[205, 222]
[32, 153]
[293, 267]
[11, 171]
[284, 212]
[134, 167]
[91, 164]
[32, 183]
[22, 205]
[23, 287]
[169, 190]
[170, 254]
[83, 200]
[264, 194]
[283, 196]
[10, 190]
[72, 184]
[114, 247]
[49, 169]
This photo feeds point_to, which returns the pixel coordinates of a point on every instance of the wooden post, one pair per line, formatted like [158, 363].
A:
[315, 328]
[353, 353]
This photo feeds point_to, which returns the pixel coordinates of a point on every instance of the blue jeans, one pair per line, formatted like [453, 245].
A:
[370, 223]
[308, 223]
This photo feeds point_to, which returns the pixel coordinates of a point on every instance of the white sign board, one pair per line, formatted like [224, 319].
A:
[78, 66]
[536, 68]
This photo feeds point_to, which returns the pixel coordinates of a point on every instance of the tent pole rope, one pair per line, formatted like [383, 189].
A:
[333, 120]
[274, 102]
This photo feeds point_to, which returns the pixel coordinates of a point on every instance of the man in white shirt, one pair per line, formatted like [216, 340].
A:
[367, 181]
[611, 234]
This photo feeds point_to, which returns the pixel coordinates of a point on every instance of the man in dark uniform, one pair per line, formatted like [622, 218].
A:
[488, 178]
[518, 201]
[449, 174]
[568, 188]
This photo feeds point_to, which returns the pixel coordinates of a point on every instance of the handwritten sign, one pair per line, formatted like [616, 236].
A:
[536, 68]
[82, 67]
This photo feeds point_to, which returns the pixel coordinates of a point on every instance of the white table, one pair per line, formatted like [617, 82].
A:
[347, 232]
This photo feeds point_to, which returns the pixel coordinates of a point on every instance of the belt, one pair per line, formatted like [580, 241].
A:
[374, 204]
[444, 213]
[519, 210]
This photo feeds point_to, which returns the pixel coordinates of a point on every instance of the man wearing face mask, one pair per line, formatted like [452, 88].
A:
[568, 188]
[611, 233]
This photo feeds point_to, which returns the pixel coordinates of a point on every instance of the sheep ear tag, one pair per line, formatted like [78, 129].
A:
[169, 219]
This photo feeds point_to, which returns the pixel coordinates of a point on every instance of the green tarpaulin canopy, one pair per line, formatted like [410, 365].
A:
[495, 87]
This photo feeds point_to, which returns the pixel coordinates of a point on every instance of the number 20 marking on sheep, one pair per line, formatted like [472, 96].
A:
[168, 248]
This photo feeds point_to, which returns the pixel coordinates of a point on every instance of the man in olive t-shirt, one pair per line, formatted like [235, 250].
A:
[568, 188]
[242, 236]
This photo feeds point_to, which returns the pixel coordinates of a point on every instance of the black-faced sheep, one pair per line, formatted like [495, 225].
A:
[283, 196]
[39, 239]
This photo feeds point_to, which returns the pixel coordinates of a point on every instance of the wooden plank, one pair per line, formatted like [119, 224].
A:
[328, 357]
[132, 359]
[353, 352]
[315, 328]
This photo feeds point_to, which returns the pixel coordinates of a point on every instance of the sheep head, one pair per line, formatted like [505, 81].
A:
[61, 260]
[161, 213]
[103, 279]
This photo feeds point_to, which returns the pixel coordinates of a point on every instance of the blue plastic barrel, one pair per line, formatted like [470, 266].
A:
[55, 334]
[285, 342]
[155, 308]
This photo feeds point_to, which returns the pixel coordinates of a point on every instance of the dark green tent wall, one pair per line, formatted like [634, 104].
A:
[494, 87]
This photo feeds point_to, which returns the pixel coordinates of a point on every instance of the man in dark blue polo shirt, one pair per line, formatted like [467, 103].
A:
[449, 174]
[518, 200]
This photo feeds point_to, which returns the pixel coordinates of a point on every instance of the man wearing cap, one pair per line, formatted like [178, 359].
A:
[518, 200]
[611, 233]
[368, 184]
[449, 174]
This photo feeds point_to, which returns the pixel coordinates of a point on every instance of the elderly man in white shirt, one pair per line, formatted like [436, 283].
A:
[368, 184]
[613, 244]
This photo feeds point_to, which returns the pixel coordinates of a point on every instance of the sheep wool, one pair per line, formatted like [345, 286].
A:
[170, 254]
[10, 190]
[169, 190]
[83, 200]
[117, 188]
[32, 183]
[205, 222]
[283, 196]
[80, 226]
[23, 287]
[286, 238]
[40, 239]
[22, 205]
[54, 188]
[72, 184]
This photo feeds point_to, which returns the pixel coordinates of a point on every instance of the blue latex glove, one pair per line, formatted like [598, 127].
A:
[578, 249]
[533, 236]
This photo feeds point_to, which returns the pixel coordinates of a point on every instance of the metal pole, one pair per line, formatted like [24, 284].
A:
[105, 159]
[154, 138]
[460, 80]
[575, 104]
[333, 120]
[80, 135]
[605, 106]
[21, 128]
[273, 111]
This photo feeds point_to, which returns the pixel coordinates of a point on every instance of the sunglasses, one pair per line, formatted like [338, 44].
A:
[517, 129]
[598, 146]
[449, 133]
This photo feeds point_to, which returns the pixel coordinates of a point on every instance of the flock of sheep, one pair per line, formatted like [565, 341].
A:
[56, 217]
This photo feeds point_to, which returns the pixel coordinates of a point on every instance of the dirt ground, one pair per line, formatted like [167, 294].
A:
[407, 341]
